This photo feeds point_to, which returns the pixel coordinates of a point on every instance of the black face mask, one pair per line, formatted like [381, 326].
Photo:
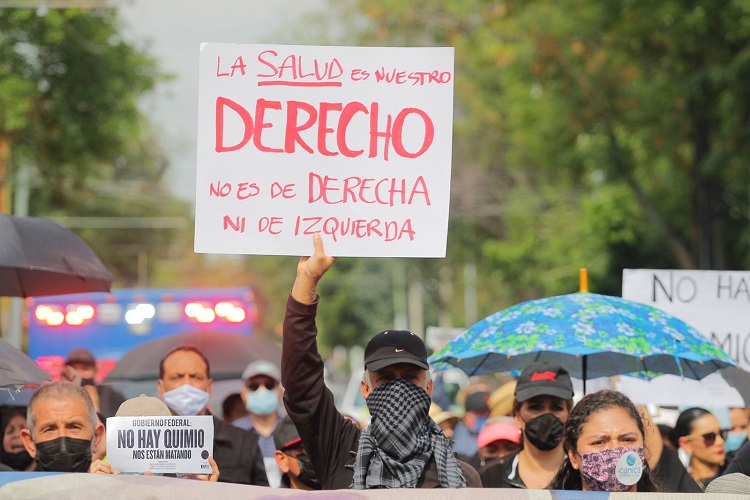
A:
[545, 431]
[64, 454]
[18, 461]
[307, 475]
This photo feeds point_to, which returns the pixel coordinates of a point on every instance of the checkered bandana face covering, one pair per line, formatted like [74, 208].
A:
[401, 439]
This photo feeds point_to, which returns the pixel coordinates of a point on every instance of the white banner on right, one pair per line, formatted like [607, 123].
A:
[716, 303]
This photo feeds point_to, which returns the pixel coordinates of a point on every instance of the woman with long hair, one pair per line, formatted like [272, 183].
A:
[603, 441]
[698, 435]
[543, 398]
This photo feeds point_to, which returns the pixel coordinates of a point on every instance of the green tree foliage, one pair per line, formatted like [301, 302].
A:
[587, 134]
[69, 92]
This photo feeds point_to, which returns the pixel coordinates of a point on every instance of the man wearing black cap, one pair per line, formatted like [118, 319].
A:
[402, 447]
[542, 403]
[297, 471]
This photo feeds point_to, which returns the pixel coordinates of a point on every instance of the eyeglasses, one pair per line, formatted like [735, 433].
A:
[709, 438]
[254, 386]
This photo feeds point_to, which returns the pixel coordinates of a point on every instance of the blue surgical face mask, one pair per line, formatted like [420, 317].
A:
[262, 402]
[734, 440]
[186, 400]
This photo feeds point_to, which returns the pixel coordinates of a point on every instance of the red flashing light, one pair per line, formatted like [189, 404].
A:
[208, 313]
[72, 315]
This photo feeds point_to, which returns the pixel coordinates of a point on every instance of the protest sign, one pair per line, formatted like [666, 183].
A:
[351, 142]
[716, 303]
[160, 444]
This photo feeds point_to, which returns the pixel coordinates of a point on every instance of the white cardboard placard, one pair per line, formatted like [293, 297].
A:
[716, 303]
[160, 444]
[351, 142]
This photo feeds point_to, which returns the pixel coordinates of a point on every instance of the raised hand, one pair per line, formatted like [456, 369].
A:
[310, 270]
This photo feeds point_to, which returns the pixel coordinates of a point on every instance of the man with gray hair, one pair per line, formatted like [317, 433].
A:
[63, 429]
[402, 447]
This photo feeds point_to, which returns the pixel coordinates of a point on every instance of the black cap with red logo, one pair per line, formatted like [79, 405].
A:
[543, 379]
[285, 435]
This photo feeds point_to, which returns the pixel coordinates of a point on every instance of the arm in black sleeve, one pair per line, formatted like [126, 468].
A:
[327, 436]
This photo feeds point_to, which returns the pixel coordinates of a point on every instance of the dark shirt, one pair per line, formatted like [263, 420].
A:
[671, 476]
[740, 460]
[331, 441]
[502, 473]
[110, 400]
[237, 454]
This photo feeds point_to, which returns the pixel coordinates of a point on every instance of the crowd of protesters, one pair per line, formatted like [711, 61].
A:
[284, 430]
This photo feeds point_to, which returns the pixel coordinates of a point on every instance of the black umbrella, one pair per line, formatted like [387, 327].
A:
[39, 257]
[17, 369]
[228, 354]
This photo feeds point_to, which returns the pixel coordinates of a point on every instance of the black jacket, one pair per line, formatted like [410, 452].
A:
[330, 440]
[671, 476]
[237, 454]
[741, 461]
[502, 473]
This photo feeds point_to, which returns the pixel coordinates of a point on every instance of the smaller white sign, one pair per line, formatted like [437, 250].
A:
[437, 336]
[160, 444]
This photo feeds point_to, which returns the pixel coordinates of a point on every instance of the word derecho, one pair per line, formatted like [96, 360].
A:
[332, 119]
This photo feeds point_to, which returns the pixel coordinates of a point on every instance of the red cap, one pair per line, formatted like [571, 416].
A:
[495, 431]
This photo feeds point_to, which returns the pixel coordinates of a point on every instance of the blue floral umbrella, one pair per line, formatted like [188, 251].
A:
[590, 335]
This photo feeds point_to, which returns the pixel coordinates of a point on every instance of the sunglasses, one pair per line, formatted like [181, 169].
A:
[254, 386]
[709, 438]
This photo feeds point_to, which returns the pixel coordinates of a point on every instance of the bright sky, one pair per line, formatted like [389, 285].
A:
[175, 30]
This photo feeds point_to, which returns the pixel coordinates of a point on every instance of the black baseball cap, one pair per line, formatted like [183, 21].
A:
[285, 435]
[82, 356]
[543, 379]
[395, 346]
[477, 402]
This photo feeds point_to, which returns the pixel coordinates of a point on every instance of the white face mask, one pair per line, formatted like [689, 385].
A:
[186, 400]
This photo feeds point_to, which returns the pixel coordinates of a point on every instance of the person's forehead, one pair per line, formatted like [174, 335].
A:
[738, 416]
[60, 409]
[614, 420]
[262, 378]
[502, 442]
[545, 399]
[184, 362]
[16, 420]
[705, 423]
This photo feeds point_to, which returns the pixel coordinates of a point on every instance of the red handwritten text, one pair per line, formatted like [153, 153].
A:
[294, 71]
[239, 64]
[244, 191]
[332, 119]
[388, 191]
[412, 77]
[357, 228]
